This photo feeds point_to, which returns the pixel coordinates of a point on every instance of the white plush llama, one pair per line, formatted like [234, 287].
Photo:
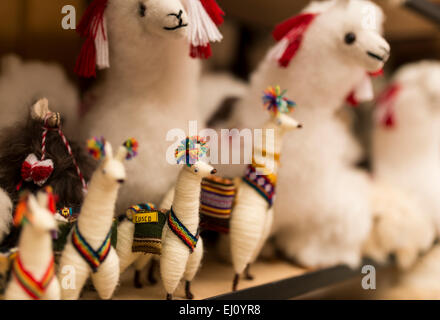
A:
[88, 248]
[33, 269]
[252, 215]
[152, 81]
[5, 214]
[182, 248]
[322, 212]
[406, 138]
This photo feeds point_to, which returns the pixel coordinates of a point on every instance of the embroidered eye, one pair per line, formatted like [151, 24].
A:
[350, 38]
[142, 9]
[196, 170]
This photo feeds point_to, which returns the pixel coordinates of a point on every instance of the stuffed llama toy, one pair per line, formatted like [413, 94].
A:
[23, 82]
[323, 56]
[152, 80]
[88, 248]
[252, 213]
[5, 214]
[406, 136]
[182, 248]
[33, 268]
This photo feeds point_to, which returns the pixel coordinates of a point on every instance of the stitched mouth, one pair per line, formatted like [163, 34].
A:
[176, 27]
[375, 56]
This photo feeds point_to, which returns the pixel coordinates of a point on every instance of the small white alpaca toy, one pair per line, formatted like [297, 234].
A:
[182, 248]
[5, 214]
[406, 137]
[322, 213]
[33, 269]
[152, 79]
[252, 214]
[88, 248]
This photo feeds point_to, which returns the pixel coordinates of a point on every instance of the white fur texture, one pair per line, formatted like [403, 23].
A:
[5, 214]
[150, 88]
[399, 226]
[322, 212]
[251, 221]
[176, 261]
[24, 82]
[94, 223]
[35, 250]
[407, 156]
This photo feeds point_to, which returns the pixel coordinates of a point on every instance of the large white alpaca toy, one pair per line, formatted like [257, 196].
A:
[324, 55]
[406, 137]
[152, 80]
[33, 268]
[252, 214]
[182, 248]
[88, 249]
[5, 214]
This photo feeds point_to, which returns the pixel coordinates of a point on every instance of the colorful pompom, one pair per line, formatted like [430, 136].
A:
[132, 146]
[96, 149]
[275, 101]
[191, 150]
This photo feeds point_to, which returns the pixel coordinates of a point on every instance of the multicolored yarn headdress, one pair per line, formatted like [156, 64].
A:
[132, 146]
[191, 150]
[21, 214]
[204, 17]
[275, 101]
[96, 147]
[289, 35]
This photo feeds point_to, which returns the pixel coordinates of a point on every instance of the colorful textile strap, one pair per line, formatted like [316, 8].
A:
[263, 184]
[92, 257]
[182, 232]
[34, 288]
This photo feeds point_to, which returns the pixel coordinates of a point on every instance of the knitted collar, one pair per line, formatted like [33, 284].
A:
[34, 288]
[92, 257]
[182, 232]
[264, 184]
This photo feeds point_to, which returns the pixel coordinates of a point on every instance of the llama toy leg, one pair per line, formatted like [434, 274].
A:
[172, 262]
[124, 245]
[53, 291]
[139, 264]
[192, 267]
[72, 265]
[106, 278]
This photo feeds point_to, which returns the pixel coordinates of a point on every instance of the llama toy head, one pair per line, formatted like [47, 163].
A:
[112, 168]
[37, 211]
[348, 30]
[412, 97]
[191, 152]
[279, 106]
[130, 23]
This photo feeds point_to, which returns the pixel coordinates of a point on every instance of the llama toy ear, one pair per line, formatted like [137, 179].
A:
[94, 51]
[40, 109]
[204, 16]
[342, 3]
[289, 35]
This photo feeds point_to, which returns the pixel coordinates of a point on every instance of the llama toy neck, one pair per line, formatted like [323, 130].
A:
[148, 70]
[96, 217]
[186, 199]
[271, 148]
[35, 249]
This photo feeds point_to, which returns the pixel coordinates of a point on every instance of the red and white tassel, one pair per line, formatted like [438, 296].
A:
[95, 48]
[204, 16]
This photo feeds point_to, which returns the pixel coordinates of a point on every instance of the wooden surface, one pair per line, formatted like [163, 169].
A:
[215, 278]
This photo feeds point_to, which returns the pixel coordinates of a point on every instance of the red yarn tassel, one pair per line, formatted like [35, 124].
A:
[290, 52]
[377, 73]
[89, 26]
[86, 62]
[351, 100]
[201, 52]
[214, 11]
